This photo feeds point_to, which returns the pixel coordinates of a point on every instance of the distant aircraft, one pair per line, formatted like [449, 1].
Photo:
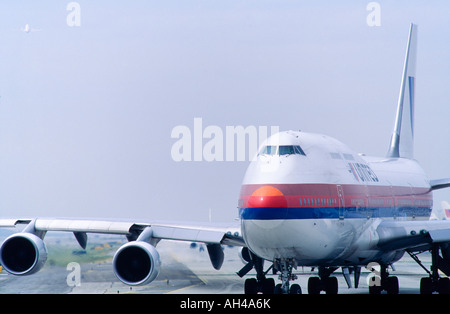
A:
[446, 208]
[27, 29]
[306, 200]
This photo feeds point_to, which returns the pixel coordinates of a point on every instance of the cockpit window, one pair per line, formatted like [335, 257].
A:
[286, 150]
[299, 150]
[282, 150]
[269, 150]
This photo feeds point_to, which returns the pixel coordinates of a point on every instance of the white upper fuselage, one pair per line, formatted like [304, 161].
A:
[311, 198]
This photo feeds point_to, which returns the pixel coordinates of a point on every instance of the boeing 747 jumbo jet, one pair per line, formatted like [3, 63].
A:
[306, 200]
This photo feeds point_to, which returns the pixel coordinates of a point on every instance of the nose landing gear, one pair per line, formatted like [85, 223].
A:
[285, 267]
[267, 285]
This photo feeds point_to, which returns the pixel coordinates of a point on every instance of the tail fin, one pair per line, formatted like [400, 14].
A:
[446, 208]
[443, 214]
[402, 141]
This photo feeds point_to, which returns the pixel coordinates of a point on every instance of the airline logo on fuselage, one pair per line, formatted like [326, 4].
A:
[362, 172]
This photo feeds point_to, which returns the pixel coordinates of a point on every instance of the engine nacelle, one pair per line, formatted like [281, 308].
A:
[244, 255]
[137, 263]
[23, 254]
[445, 249]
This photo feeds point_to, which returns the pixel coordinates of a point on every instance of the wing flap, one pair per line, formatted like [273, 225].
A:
[187, 234]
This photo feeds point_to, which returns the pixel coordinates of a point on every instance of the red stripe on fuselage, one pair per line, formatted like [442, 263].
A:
[322, 195]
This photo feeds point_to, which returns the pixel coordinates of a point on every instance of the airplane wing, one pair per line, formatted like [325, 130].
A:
[415, 236]
[412, 236]
[440, 183]
[136, 262]
[209, 234]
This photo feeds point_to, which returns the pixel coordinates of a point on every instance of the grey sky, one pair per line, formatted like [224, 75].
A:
[86, 113]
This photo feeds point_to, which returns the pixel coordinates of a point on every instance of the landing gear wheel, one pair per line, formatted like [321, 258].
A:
[375, 289]
[278, 289]
[327, 284]
[389, 284]
[444, 285]
[426, 286]
[268, 286]
[384, 282]
[314, 285]
[331, 285]
[433, 283]
[251, 286]
[260, 284]
[295, 289]
[392, 285]
[285, 268]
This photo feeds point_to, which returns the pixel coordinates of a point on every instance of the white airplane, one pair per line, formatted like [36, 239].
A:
[306, 200]
[27, 29]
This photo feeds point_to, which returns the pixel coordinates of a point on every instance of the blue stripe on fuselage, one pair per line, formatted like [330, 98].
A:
[271, 213]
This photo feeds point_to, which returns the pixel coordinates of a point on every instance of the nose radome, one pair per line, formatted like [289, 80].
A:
[267, 196]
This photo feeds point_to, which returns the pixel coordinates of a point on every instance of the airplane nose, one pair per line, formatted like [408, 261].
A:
[267, 196]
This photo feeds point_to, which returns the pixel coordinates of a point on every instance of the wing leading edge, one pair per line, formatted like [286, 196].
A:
[210, 234]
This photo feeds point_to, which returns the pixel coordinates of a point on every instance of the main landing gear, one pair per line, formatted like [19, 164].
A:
[284, 267]
[434, 283]
[383, 282]
[324, 282]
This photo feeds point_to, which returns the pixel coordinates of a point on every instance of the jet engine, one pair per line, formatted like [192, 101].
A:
[137, 263]
[244, 255]
[23, 254]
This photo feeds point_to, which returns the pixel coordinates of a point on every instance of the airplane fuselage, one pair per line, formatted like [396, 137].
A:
[310, 198]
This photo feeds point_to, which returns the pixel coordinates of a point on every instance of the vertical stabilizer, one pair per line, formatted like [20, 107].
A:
[446, 208]
[402, 141]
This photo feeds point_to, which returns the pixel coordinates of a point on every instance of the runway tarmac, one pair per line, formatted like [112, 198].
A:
[184, 271]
